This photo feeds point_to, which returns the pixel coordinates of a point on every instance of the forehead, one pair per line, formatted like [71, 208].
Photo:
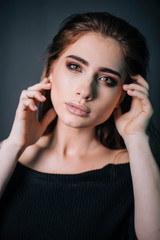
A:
[98, 51]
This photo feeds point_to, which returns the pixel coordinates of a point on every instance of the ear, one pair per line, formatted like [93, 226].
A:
[50, 73]
[123, 94]
[50, 78]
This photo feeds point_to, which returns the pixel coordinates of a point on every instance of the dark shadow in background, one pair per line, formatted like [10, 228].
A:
[27, 27]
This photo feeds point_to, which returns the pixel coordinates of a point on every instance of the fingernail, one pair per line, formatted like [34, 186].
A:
[43, 97]
[35, 107]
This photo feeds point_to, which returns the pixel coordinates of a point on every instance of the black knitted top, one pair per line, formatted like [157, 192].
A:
[93, 205]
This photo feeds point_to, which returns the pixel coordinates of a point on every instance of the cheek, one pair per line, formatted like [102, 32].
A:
[106, 105]
[57, 86]
[59, 92]
[60, 82]
[56, 96]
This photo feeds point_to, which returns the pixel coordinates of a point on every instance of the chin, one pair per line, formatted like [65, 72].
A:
[74, 121]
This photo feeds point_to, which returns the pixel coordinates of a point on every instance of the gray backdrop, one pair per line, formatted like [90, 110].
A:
[27, 27]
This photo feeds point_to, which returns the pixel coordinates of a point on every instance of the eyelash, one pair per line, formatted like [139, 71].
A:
[112, 82]
[74, 64]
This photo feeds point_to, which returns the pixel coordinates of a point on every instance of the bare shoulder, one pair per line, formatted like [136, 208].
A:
[31, 151]
[114, 156]
[121, 156]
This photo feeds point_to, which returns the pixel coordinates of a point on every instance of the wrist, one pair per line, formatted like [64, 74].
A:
[13, 146]
[136, 139]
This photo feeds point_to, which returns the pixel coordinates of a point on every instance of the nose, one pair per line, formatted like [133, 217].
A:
[86, 90]
[84, 94]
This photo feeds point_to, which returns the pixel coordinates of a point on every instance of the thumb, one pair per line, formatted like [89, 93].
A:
[48, 118]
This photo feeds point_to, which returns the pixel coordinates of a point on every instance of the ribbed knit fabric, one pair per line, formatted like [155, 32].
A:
[93, 205]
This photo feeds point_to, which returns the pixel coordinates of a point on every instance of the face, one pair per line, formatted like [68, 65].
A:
[87, 81]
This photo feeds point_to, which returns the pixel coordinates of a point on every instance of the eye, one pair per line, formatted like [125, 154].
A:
[74, 67]
[108, 80]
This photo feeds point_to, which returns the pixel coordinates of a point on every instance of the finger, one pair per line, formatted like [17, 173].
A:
[144, 99]
[45, 80]
[137, 87]
[48, 118]
[41, 86]
[33, 94]
[27, 103]
[138, 94]
[139, 79]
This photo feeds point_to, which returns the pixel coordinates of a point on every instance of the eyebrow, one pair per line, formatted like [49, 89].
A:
[102, 69]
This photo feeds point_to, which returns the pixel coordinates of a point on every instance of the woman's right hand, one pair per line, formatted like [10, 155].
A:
[26, 129]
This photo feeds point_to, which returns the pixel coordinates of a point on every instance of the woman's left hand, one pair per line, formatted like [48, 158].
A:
[136, 120]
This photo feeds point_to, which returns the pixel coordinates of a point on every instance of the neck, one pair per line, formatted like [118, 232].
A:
[69, 141]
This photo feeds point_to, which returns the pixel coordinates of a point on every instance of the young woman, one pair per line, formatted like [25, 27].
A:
[84, 169]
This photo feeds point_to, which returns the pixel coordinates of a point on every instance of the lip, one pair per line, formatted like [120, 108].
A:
[77, 109]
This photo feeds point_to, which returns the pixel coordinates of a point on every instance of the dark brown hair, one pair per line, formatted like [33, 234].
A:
[134, 49]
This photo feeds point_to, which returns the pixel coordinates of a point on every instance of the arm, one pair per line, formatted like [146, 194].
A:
[9, 154]
[144, 170]
[146, 186]
[26, 130]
